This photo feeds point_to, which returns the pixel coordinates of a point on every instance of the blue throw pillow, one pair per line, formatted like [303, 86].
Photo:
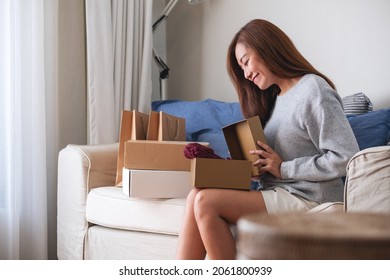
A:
[204, 119]
[371, 129]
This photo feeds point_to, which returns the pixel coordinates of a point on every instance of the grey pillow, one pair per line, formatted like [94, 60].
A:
[356, 104]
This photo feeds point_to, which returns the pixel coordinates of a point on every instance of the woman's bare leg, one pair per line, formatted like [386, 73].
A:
[215, 209]
[190, 244]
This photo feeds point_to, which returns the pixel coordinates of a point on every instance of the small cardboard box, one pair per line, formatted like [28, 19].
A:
[157, 155]
[221, 173]
[156, 183]
[241, 137]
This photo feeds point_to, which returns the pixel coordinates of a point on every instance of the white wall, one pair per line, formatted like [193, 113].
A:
[348, 40]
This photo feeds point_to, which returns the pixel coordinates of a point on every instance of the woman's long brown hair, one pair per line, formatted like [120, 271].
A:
[281, 58]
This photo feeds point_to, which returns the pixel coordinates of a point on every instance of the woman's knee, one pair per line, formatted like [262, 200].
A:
[191, 198]
[203, 204]
[189, 207]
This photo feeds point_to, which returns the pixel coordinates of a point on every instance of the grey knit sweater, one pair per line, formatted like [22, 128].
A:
[310, 132]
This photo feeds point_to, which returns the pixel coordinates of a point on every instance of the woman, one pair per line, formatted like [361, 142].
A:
[309, 141]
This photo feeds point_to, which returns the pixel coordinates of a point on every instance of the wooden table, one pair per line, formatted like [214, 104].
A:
[321, 236]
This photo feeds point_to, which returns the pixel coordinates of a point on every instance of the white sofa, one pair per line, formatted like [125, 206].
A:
[97, 221]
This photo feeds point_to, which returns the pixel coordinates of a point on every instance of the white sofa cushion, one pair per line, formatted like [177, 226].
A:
[103, 243]
[110, 207]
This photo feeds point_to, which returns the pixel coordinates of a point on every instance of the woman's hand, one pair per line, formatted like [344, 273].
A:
[269, 160]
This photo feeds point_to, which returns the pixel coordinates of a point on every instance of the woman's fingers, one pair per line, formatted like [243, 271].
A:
[265, 150]
[260, 162]
[269, 161]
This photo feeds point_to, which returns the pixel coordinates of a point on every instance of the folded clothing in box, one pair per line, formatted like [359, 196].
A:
[156, 183]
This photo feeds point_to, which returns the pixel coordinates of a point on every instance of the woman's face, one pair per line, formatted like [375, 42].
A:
[254, 67]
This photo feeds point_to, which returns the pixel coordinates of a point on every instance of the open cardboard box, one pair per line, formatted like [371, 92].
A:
[157, 155]
[241, 137]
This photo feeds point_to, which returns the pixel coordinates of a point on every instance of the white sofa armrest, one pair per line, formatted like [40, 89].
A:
[367, 186]
[80, 169]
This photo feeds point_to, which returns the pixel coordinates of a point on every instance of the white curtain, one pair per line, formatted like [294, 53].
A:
[119, 62]
[24, 65]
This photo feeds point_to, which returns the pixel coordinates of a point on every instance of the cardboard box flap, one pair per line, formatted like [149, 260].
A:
[241, 137]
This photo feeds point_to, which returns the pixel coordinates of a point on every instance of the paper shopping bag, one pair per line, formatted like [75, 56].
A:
[134, 126]
[153, 125]
[171, 128]
[166, 127]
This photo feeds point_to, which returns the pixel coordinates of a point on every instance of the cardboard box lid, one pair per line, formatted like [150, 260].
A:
[157, 155]
[241, 137]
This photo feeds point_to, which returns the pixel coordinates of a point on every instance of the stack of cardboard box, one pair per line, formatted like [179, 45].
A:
[151, 162]
[153, 166]
[156, 169]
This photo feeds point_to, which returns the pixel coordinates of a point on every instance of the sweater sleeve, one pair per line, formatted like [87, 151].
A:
[331, 133]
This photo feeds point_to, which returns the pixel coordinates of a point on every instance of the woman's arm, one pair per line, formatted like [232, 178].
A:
[330, 132]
